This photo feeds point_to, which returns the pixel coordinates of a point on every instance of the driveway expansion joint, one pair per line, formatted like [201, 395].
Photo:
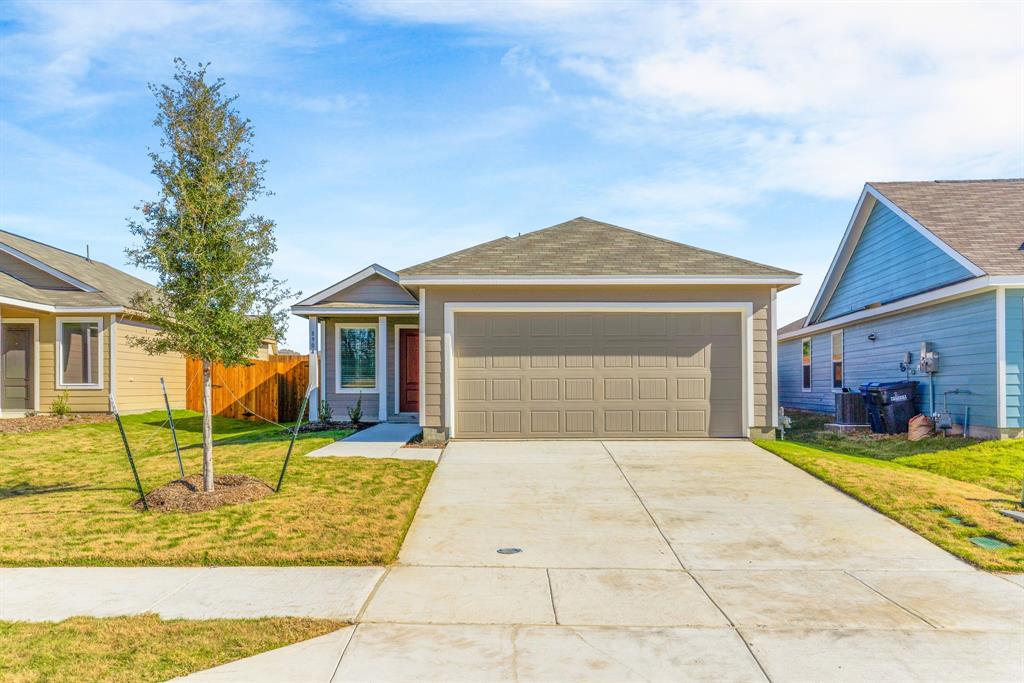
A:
[891, 600]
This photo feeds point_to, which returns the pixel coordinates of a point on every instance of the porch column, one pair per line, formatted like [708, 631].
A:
[314, 375]
[382, 368]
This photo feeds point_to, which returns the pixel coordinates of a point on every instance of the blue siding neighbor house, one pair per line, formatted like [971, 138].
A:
[939, 264]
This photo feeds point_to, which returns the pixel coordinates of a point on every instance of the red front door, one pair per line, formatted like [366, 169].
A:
[409, 371]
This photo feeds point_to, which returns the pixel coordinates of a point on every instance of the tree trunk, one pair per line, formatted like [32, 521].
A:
[207, 426]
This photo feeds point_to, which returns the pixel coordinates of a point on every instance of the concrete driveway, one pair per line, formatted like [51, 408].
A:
[668, 561]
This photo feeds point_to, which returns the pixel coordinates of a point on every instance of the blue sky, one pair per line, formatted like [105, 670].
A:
[397, 132]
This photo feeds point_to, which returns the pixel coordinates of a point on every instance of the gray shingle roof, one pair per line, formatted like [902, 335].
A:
[585, 247]
[115, 287]
[795, 325]
[981, 219]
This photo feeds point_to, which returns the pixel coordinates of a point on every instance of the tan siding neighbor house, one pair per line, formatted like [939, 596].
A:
[66, 325]
[581, 330]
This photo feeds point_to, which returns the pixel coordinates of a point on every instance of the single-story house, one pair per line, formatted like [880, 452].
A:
[65, 321]
[580, 330]
[923, 266]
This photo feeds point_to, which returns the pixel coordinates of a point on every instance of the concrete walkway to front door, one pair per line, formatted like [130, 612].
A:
[384, 440]
[659, 561]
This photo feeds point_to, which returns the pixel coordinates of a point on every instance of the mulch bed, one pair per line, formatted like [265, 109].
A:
[329, 426]
[187, 495]
[40, 423]
[417, 442]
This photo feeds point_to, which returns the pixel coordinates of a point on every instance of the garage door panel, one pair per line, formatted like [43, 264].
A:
[545, 358]
[472, 422]
[506, 422]
[544, 389]
[579, 422]
[618, 421]
[581, 389]
[617, 389]
[545, 421]
[579, 357]
[652, 422]
[634, 376]
[652, 389]
[616, 325]
[509, 389]
[505, 358]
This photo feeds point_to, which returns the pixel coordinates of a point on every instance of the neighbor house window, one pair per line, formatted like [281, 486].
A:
[356, 357]
[837, 359]
[806, 363]
[79, 353]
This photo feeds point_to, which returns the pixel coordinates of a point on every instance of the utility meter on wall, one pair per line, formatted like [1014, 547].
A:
[929, 360]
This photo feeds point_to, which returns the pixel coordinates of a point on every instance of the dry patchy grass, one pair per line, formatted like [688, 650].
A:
[920, 501]
[141, 648]
[66, 495]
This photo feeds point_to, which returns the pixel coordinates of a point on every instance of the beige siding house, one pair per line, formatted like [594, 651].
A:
[581, 330]
[65, 324]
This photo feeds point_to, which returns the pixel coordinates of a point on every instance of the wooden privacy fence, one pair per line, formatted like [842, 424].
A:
[272, 389]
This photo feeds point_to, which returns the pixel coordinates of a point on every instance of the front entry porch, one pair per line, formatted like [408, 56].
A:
[372, 361]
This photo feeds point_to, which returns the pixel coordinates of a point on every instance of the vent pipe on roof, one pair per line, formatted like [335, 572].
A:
[87, 253]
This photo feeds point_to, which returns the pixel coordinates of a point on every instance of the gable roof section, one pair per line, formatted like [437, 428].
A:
[355, 278]
[891, 260]
[793, 326]
[97, 285]
[582, 250]
[977, 223]
[981, 219]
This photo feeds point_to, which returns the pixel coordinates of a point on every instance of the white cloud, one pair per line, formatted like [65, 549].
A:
[520, 62]
[755, 99]
[57, 47]
[815, 98]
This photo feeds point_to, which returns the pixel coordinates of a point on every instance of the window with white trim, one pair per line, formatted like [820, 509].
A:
[356, 357]
[79, 353]
[806, 363]
[837, 360]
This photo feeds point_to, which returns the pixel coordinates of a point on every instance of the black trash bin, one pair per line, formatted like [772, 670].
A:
[890, 405]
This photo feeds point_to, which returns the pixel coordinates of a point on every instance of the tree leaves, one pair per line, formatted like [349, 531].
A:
[217, 299]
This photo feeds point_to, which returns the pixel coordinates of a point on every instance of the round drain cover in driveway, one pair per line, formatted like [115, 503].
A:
[509, 551]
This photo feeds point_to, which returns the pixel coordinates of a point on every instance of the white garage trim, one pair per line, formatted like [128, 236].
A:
[744, 308]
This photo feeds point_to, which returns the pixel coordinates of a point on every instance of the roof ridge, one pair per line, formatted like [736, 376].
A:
[683, 244]
[50, 246]
[454, 253]
[952, 181]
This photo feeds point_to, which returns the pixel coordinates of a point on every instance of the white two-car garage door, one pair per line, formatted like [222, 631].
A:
[597, 375]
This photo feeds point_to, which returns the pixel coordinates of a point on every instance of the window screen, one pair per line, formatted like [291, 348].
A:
[837, 359]
[80, 352]
[806, 365]
[357, 357]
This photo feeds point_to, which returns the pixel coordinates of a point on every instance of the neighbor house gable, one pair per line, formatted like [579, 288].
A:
[891, 261]
[885, 256]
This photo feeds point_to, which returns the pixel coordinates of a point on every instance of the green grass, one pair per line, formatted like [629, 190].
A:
[997, 465]
[922, 500]
[141, 648]
[66, 494]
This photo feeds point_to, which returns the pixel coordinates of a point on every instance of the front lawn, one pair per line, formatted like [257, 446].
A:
[924, 501]
[998, 465]
[66, 495]
[141, 648]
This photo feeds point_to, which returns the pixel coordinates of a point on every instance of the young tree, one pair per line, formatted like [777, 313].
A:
[216, 298]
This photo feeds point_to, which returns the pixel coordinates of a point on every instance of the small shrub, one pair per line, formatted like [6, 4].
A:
[326, 414]
[60, 406]
[355, 411]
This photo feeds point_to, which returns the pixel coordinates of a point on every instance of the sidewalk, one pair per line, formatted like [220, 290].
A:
[55, 593]
[384, 440]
